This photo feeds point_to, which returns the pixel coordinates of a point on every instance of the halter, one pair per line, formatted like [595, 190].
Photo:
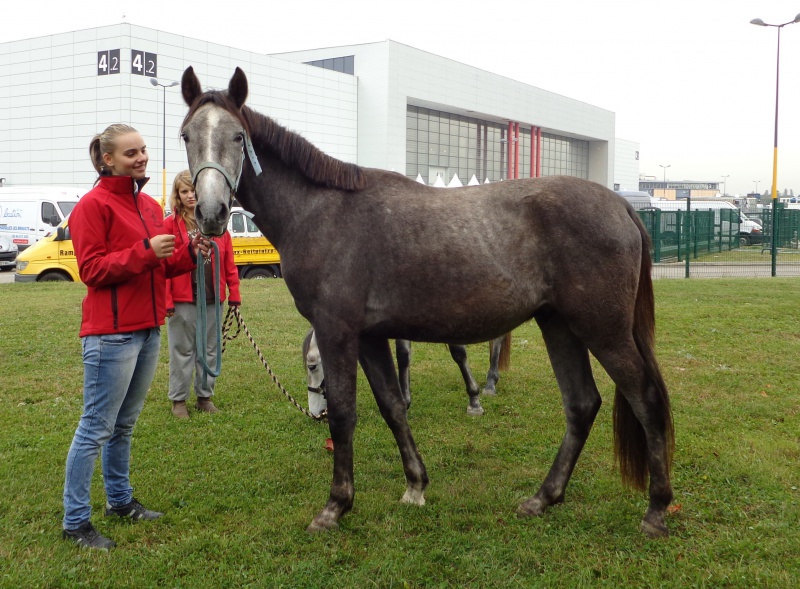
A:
[234, 185]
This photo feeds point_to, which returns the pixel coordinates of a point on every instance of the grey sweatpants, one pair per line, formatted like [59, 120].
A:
[183, 358]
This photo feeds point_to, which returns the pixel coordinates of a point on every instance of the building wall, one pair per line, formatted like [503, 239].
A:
[52, 100]
[392, 75]
[626, 165]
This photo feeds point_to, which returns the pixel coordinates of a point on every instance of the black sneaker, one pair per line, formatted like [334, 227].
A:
[134, 510]
[86, 536]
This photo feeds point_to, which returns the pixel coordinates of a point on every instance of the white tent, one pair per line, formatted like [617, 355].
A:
[439, 183]
[419, 179]
[473, 181]
[455, 182]
[486, 181]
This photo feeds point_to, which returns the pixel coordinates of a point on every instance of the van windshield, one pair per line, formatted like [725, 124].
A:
[66, 207]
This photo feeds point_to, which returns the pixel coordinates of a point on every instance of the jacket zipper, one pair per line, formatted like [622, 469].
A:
[114, 308]
[152, 272]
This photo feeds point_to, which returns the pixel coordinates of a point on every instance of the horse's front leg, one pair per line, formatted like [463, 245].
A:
[341, 364]
[376, 361]
[459, 354]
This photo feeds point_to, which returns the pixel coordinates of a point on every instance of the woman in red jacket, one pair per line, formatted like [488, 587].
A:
[125, 255]
[182, 293]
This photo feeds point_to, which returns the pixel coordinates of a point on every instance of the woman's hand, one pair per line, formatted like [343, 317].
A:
[201, 246]
[163, 245]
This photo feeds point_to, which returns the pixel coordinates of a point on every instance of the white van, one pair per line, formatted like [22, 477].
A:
[640, 199]
[29, 213]
[750, 232]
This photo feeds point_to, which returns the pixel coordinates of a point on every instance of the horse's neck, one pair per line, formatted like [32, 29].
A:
[279, 198]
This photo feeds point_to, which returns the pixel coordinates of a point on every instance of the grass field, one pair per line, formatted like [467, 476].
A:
[239, 487]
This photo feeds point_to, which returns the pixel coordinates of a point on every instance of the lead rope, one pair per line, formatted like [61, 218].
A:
[234, 313]
[201, 327]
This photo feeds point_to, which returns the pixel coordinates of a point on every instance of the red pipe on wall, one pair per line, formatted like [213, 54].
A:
[508, 149]
[538, 151]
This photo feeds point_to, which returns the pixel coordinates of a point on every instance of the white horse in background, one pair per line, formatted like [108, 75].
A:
[499, 357]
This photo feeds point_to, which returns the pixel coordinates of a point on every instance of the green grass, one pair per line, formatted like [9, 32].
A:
[239, 487]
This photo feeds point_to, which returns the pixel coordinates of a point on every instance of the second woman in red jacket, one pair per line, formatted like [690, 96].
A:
[182, 293]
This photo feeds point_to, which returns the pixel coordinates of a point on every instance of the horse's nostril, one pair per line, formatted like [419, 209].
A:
[223, 211]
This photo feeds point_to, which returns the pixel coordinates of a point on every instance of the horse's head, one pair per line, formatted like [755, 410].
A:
[215, 135]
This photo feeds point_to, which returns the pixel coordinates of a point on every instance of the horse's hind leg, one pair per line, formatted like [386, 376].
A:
[494, 371]
[570, 360]
[459, 354]
[402, 349]
[376, 361]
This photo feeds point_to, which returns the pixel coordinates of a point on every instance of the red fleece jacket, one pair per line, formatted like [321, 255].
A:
[111, 227]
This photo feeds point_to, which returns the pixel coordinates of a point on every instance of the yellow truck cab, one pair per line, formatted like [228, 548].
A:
[253, 254]
[50, 258]
[53, 257]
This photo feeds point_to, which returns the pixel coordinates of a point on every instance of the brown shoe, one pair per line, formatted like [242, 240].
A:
[179, 410]
[206, 404]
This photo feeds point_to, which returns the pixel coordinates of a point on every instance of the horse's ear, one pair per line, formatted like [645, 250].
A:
[190, 86]
[237, 88]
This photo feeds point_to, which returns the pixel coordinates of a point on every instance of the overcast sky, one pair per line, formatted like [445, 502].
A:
[692, 81]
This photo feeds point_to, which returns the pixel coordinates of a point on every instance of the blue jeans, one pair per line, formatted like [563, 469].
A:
[117, 372]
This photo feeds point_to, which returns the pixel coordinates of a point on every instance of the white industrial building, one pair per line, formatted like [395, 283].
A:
[384, 105]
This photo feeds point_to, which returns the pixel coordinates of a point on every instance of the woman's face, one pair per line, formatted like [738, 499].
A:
[129, 157]
[186, 194]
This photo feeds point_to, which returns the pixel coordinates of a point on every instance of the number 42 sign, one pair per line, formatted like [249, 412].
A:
[144, 64]
[108, 62]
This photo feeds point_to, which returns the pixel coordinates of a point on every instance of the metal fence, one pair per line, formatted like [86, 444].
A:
[712, 243]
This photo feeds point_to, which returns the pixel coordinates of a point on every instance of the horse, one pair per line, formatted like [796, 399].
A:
[499, 353]
[393, 259]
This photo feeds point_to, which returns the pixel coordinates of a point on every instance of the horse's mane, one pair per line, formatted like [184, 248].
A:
[292, 149]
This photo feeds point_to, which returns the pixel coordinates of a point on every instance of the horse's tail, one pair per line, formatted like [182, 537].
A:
[504, 361]
[630, 444]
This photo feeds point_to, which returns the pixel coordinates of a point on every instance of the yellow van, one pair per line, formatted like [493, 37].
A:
[53, 257]
[50, 258]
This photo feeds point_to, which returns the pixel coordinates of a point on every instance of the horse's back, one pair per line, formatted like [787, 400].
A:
[485, 258]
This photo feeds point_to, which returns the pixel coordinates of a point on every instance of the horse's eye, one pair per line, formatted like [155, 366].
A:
[312, 367]
[185, 137]
[240, 138]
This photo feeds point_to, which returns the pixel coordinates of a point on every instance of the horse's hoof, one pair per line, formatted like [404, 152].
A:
[531, 508]
[475, 410]
[322, 524]
[413, 497]
[489, 392]
[653, 530]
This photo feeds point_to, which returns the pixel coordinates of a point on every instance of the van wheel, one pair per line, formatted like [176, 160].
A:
[744, 240]
[54, 277]
[261, 273]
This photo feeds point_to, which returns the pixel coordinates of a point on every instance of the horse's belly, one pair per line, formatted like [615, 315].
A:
[471, 316]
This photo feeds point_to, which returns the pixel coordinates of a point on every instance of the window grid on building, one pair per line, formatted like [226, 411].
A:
[345, 65]
[456, 144]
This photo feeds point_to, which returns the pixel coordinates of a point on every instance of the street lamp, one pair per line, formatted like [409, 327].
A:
[155, 82]
[725, 184]
[761, 23]
[756, 181]
[665, 177]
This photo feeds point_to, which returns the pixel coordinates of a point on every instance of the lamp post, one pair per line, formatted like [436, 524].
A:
[757, 181]
[761, 23]
[156, 83]
[725, 184]
[665, 177]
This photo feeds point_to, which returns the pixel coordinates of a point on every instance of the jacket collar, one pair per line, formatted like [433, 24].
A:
[123, 184]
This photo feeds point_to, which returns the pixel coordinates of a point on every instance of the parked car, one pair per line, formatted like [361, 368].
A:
[8, 253]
